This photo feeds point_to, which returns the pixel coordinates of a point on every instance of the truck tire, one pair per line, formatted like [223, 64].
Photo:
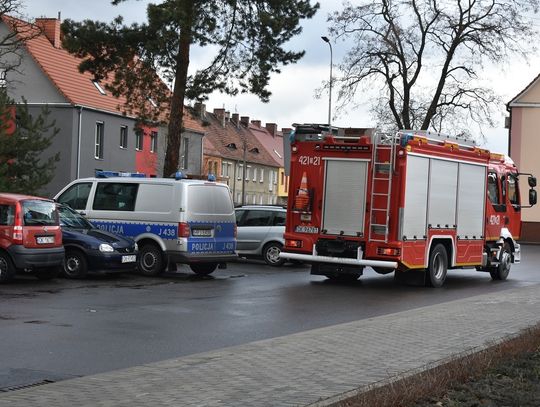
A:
[501, 271]
[150, 260]
[75, 264]
[271, 253]
[203, 269]
[7, 269]
[437, 266]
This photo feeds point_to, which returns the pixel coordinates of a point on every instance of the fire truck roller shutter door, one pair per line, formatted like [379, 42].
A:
[416, 194]
[471, 201]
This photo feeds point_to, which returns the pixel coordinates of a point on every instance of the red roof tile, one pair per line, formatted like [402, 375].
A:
[272, 143]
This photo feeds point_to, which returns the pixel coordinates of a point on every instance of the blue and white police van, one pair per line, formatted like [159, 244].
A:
[172, 220]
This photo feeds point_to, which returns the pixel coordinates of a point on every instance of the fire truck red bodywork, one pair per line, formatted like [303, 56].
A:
[390, 205]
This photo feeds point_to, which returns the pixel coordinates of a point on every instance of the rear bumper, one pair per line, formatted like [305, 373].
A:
[310, 258]
[179, 257]
[24, 257]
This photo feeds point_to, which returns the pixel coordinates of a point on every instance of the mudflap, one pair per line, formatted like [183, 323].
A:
[415, 277]
[324, 269]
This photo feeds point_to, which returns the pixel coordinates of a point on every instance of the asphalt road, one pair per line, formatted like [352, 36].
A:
[59, 329]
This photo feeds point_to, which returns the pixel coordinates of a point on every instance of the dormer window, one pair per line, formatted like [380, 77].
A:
[99, 87]
[232, 146]
[254, 150]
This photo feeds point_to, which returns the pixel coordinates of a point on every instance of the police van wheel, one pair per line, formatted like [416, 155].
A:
[150, 260]
[203, 269]
[437, 267]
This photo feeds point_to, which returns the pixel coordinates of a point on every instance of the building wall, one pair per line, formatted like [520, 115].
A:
[256, 192]
[195, 152]
[525, 144]
[29, 81]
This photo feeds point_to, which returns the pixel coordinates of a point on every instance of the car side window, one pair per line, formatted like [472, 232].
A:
[239, 215]
[76, 195]
[7, 215]
[279, 219]
[113, 196]
[493, 188]
[513, 191]
[257, 218]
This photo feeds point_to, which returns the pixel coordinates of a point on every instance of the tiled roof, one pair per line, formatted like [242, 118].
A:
[62, 69]
[272, 143]
[222, 136]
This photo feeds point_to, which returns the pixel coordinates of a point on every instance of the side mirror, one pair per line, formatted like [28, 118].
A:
[532, 196]
[532, 181]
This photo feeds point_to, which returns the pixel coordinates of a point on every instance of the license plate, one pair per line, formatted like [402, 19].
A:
[129, 259]
[45, 239]
[306, 229]
[202, 232]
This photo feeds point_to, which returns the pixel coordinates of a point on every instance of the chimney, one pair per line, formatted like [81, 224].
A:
[286, 131]
[227, 116]
[235, 119]
[200, 110]
[51, 29]
[272, 128]
[256, 123]
[220, 115]
[244, 120]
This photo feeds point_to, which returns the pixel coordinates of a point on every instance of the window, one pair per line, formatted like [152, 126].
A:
[270, 180]
[3, 81]
[7, 215]
[38, 212]
[513, 189]
[493, 188]
[139, 140]
[153, 142]
[239, 171]
[257, 218]
[274, 174]
[248, 169]
[226, 169]
[99, 87]
[123, 136]
[100, 130]
[185, 153]
[279, 219]
[205, 199]
[239, 215]
[261, 175]
[112, 196]
[254, 174]
[76, 195]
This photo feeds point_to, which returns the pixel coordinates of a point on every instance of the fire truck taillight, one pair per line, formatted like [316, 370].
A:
[293, 243]
[388, 251]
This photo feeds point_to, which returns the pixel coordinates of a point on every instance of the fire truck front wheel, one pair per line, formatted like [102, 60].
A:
[437, 267]
[500, 272]
[271, 253]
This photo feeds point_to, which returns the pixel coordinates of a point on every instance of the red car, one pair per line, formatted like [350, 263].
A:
[30, 237]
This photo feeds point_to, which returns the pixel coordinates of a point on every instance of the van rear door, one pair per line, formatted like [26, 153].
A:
[210, 215]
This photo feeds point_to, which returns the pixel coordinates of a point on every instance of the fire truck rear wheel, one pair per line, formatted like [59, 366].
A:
[501, 271]
[271, 253]
[437, 267]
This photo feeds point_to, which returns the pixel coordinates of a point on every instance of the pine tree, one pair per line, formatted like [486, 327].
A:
[245, 37]
[23, 140]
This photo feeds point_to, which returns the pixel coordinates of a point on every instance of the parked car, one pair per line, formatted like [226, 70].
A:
[172, 220]
[30, 237]
[89, 249]
[260, 232]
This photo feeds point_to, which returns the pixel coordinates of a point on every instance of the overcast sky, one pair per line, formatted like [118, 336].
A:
[293, 90]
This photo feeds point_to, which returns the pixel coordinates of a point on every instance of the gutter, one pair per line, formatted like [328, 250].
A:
[79, 132]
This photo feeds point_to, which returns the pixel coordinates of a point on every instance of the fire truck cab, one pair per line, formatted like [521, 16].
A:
[398, 202]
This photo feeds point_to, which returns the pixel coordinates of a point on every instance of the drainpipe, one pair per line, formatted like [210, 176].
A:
[79, 131]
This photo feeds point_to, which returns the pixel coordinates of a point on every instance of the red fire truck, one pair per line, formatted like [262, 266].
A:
[398, 202]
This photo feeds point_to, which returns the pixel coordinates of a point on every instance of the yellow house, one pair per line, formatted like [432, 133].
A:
[524, 148]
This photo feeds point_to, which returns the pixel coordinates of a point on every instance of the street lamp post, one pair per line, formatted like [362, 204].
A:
[325, 39]
[244, 147]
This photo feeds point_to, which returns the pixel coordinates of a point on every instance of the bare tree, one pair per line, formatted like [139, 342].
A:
[13, 38]
[426, 57]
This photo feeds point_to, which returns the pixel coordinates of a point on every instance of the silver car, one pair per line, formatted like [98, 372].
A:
[260, 232]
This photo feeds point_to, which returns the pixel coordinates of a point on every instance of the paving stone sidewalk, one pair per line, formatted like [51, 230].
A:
[309, 368]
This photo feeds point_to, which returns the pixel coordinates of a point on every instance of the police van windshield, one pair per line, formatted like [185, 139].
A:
[209, 199]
